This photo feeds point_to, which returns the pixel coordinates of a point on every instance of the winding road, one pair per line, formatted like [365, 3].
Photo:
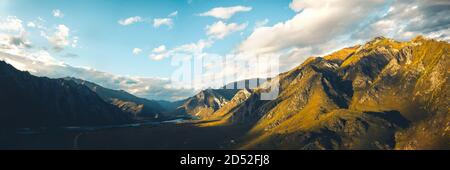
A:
[75, 140]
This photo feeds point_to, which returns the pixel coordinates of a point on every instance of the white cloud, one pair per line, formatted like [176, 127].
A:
[406, 19]
[11, 24]
[60, 38]
[318, 22]
[157, 22]
[38, 23]
[173, 14]
[349, 21]
[298, 5]
[225, 12]
[14, 42]
[196, 48]
[57, 13]
[32, 59]
[157, 56]
[318, 27]
[321, 27]
[137, 51]
[159, 49]
[13, 49]
[130, 20]
[159, 53]
[220, 29]
[31, 24]
[70, 55]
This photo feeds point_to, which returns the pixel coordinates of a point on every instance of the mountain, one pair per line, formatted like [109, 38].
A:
[138, 107]
[208, 101]
[30, 101]
[384, 94]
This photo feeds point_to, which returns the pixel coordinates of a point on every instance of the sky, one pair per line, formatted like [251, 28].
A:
[134, 45]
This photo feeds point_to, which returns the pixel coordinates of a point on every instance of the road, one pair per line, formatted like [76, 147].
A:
[75, 141]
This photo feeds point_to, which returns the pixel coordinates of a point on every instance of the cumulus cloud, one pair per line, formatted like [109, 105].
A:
[12, 34]
[297, 5]
[159, 49]
[130, 20]
[159, 53]
[14, 42]
[225, 12]
[350, 21]
[14, 49]
[60, 38]
[408, 18]
[317, 28]
[30, 60]
[38, 23]
[316, 23]
[261, 23]
[157, 22]
[11, 24]
[321, 27]
[57, 13]
[196, 48]
[70, 55]
[137, 51]
[220, 29]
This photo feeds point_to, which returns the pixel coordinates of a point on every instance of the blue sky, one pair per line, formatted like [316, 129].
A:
[106, 45]
[130, 44]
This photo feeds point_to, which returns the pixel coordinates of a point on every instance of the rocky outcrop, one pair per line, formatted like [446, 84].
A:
[206, 102]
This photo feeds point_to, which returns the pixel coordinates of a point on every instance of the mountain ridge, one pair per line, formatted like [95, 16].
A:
[30, 101]
[378, 85]
[383, 94]
[127, 102]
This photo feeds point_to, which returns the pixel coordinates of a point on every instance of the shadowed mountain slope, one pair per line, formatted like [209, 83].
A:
[137, 107]
[30, 101]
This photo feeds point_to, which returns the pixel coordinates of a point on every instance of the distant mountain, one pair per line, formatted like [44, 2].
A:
[206, 102]
[138, 107]
[384, 94]
[30, 101]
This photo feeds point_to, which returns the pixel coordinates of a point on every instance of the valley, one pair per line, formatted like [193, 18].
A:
[151, 135]
[380, 95]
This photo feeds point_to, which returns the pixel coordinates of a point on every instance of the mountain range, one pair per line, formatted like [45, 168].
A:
[30, 101]
[384, 94]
